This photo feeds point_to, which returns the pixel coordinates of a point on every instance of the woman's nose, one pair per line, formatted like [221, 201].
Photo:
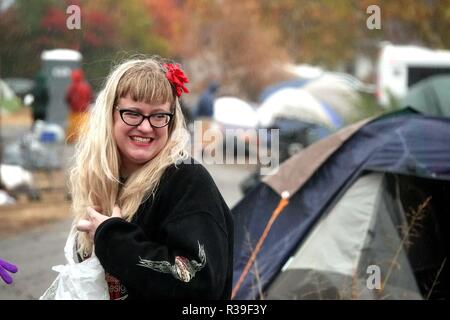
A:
[145, 126]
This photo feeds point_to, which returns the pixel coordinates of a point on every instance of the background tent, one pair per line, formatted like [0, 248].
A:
[337, 93]
[276, 220]
[296, 104]
[234, 112]
[430, 96]
[20, 86]
[9, 102]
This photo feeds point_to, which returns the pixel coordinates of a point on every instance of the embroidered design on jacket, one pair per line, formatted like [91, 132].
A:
[117, 290]
[183, 269]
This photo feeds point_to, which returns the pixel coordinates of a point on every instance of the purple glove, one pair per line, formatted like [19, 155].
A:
[6, 266]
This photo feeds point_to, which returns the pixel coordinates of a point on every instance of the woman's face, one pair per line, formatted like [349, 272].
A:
[138, 144]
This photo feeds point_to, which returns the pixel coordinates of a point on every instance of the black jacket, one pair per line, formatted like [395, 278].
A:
[178, 245]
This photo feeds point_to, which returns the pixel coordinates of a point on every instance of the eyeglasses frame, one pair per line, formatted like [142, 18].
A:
[122, 111]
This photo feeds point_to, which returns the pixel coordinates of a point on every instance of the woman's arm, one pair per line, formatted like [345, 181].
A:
[192, 263]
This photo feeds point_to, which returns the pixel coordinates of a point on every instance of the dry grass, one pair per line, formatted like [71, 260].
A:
[409, 231]
[21, 117]
[19, 218]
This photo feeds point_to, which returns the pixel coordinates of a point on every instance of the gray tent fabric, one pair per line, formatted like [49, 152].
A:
[336, 241]
[384, 246]
[360, 231]
[325, 265]
[335, 92]
[430, 96]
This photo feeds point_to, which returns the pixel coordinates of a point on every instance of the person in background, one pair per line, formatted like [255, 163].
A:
[40, 98]
[205, 108]
[79, 96]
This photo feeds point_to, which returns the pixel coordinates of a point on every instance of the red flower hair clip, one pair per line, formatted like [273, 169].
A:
[176, 77]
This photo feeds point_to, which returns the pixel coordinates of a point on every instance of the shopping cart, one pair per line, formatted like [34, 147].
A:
[43, 154]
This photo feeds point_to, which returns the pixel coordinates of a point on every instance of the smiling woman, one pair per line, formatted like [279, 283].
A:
[154, 218]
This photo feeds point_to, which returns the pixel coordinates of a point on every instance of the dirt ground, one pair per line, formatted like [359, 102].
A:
[26, 214]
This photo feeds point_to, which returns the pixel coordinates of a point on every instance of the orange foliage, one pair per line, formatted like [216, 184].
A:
[227, 41]
[167, 17]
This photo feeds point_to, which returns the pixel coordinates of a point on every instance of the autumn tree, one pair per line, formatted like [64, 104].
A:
[225, 41]
[317, 32]
[110, 30]
[331, 33]
[133, 33]
[169, 19]
[19, 29]
[424, 22]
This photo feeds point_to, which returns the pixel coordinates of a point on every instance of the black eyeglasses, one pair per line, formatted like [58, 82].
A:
[134, 118]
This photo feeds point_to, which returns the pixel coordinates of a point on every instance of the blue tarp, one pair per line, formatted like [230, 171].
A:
[406, 144]
[336, 119]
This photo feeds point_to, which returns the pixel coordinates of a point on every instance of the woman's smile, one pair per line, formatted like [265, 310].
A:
[141, 141]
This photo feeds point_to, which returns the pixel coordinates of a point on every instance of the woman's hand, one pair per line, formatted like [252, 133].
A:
[94, 220]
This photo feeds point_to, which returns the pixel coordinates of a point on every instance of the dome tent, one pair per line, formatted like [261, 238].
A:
[430, 96]
[349, 198]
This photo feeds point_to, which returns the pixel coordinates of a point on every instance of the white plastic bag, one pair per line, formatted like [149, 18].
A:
[78, 281]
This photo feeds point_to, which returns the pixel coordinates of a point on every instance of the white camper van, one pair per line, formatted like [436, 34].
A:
[400, 67]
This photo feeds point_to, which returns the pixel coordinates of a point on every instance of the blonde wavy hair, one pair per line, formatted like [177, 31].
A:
[94, 177]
